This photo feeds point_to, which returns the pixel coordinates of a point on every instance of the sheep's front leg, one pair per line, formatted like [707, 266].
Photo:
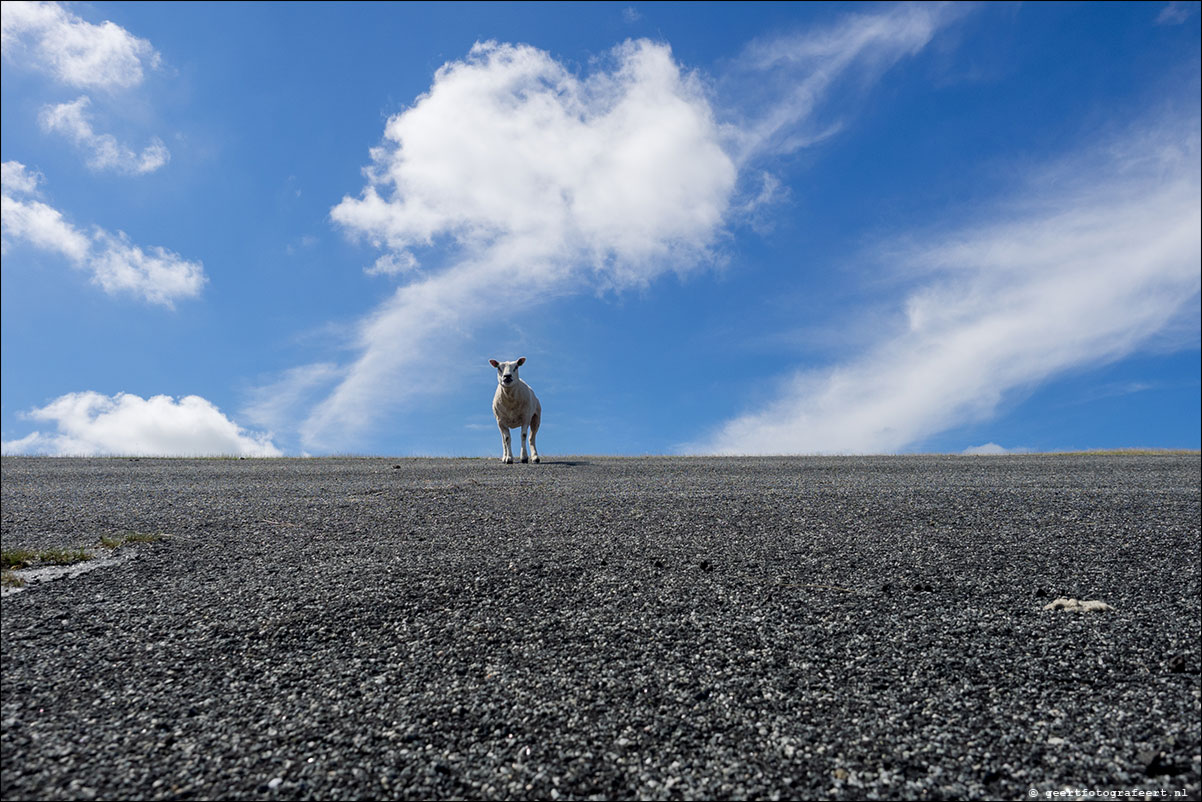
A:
[506, 449]
[533, 431]
[525, 454]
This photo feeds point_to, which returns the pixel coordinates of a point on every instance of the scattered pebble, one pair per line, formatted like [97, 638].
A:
[1077, 606]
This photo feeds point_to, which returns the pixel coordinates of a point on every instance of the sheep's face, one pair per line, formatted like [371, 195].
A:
[507, 372]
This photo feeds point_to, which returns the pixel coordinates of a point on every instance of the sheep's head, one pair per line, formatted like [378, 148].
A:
[507, 372]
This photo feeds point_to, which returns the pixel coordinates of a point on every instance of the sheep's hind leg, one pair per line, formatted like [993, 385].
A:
[525, 455]
[534, 422]
[506, 448]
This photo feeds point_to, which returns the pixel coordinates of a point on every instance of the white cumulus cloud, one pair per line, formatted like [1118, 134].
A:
[18, 179]
[1097, 260]
[619, 169]
[33, 221]
[156, 275]
[76, 52]
[92, 424]
[105, 152]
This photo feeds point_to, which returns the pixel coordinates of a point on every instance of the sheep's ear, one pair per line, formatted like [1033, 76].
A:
[521, 361]
[494, 363]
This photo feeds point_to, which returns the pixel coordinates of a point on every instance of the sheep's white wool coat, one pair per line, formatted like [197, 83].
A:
[516, 406]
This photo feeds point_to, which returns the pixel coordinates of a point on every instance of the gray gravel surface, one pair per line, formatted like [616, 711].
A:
[651, 628]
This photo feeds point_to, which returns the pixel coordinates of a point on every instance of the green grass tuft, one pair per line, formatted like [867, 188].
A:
[64, 556]
[142, 537]
[115, 542]
[17, 558]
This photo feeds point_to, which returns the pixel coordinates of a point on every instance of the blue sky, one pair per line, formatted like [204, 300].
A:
[304, 228]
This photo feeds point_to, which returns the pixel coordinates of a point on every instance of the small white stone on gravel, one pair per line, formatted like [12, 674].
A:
[1076, 606]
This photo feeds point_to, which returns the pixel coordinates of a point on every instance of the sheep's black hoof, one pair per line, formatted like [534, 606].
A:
[525, 459]
[535, 460]
[507, 460]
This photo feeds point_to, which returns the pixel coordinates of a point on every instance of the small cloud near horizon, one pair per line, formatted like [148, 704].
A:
[90, 424]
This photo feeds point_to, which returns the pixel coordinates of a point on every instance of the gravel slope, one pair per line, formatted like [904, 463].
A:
[653, 628]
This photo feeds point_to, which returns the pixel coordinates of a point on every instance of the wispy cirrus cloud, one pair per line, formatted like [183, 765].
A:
[48, 37]
[1096, 259]
[92, 424]
[118, 266]
[105, 152]
[781, 85]
[272, 405]
[1176, 12]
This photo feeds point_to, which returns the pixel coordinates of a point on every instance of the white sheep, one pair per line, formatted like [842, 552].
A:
[515, 404]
